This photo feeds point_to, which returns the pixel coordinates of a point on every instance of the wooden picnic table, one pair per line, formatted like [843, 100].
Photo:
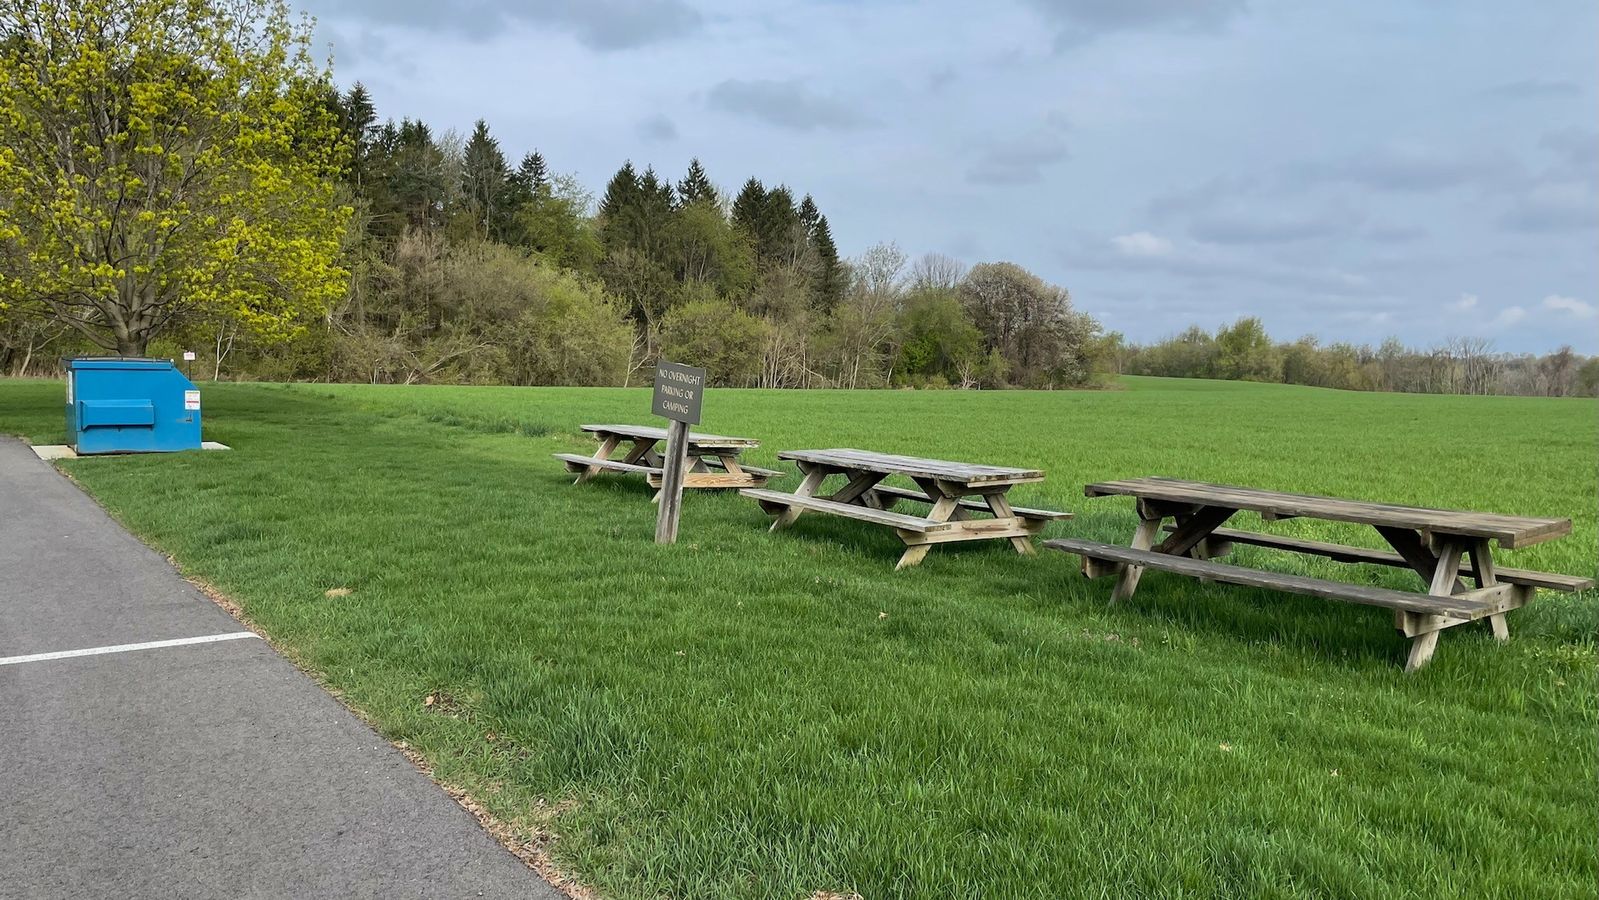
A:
[632, 449]
[967, 501]
[1443, 546]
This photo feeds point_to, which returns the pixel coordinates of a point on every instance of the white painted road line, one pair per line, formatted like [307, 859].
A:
[125, 648]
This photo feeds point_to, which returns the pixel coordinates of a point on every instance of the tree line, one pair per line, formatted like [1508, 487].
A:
[1243, 351]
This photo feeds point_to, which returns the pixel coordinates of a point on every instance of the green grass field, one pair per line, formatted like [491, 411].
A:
[757, 715]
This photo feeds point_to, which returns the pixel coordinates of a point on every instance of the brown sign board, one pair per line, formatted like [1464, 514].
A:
[679, 392]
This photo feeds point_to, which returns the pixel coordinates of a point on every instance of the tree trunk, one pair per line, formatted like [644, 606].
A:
[132, 345]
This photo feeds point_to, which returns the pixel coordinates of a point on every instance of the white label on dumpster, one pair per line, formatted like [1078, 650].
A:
[191, 399]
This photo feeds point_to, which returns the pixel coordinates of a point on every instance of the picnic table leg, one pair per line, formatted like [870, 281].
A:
[944, 506]
[1482, 570]
[1410, 545]
[913, 555]
[643, 449]
[858, 489]
[1193, 529]
[814, 476]
[607, 446]
[696, 464]
[1001, 509]
[1443, 584]
[1143, 539]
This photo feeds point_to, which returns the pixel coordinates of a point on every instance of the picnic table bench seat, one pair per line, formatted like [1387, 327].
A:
[1467, 607]
[1551, 581]
[777, 501]
[577, 462]
[889, 494]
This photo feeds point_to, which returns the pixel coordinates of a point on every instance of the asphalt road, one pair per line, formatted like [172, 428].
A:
[204, 770]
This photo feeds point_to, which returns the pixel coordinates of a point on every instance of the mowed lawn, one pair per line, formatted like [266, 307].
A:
[757, 715]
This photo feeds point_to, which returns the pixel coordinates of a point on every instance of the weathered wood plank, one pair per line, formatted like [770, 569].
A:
[1509, 531]
[671, 493]
[711, 480]
[883, 490]
[577, 462]
[721, 462]
[914, 467]
[1445, 576]
[1143, 539]
[859, 483]
[814, 477]
[1461, 609]
[1193, 529]
[912, 556]
[1345, 553]
[1487, 578]
[1001, 508]
[976, 530]
[696, 439]
[900, 521]
[1416, 551]
[607, 447]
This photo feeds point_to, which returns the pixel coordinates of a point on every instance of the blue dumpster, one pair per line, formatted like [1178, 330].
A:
[117, 405]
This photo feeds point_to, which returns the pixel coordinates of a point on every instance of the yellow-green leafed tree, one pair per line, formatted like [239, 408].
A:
[162, 161]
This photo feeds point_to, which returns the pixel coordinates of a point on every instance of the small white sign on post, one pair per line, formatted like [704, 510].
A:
[188, 356]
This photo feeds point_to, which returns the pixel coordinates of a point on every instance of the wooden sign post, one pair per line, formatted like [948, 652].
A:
[678, 395]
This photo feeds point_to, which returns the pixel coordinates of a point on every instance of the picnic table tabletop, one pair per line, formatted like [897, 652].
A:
[696, 439]
[847, 459]
[1510, 531]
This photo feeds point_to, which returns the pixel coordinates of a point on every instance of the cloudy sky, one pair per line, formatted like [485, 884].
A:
[1351, 169]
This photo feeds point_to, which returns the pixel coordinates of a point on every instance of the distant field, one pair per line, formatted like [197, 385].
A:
[754, 715]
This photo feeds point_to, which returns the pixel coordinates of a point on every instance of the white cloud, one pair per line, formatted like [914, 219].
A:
[1571, 305]
[1141, 243]
[1510, 315]
[1466, 301]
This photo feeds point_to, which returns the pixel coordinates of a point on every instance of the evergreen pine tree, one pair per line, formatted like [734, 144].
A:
[778, 227]
[654, 192]
[620, 193]
[809, 214]
[748, 206]
[657, 203]
[484, 176]
[535, 174]
[828, 284]
[415, 134]
[621, 208]
[416, 176]
[530, 181]
[695, 186]
[360, 119]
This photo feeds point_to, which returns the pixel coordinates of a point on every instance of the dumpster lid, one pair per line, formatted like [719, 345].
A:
[117, 362]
